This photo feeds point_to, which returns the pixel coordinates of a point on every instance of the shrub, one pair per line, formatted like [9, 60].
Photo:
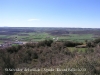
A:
[71, 44]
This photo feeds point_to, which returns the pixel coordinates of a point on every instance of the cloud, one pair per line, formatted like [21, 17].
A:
[33, 20]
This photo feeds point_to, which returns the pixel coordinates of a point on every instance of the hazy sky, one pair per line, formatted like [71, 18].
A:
[50, 13]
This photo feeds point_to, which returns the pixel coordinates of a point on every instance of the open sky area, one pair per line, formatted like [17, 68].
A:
[50, 13]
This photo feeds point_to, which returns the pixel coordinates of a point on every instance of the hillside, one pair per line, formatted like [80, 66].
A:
[50, 57]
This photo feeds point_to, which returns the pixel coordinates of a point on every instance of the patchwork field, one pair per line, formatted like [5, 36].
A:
[42, 36]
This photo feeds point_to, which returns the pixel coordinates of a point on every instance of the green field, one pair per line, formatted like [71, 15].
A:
[77, 37]
[77, 49]
[43, 36]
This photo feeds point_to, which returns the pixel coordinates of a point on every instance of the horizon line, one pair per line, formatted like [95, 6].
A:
[46, 27]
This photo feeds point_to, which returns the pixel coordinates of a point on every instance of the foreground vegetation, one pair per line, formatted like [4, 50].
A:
[52, 54]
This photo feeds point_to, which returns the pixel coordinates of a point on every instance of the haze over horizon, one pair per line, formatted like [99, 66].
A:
[50, 13]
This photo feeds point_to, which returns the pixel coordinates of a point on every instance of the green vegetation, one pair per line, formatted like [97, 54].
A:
[77, 37]
[78, 49]
[43, 36]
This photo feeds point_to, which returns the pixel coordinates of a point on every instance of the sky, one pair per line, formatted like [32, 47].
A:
[50, 13]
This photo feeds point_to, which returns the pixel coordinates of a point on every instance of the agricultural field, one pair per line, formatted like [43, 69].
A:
[43, 36]
[39, 34]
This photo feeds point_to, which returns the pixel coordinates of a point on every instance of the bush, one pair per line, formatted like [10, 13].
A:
[97, 40]
[45, 43]
[71, 44]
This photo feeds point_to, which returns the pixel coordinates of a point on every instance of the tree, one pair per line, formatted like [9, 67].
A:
[9, 64]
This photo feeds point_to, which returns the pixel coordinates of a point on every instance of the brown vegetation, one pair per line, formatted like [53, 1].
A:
[48, 53]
